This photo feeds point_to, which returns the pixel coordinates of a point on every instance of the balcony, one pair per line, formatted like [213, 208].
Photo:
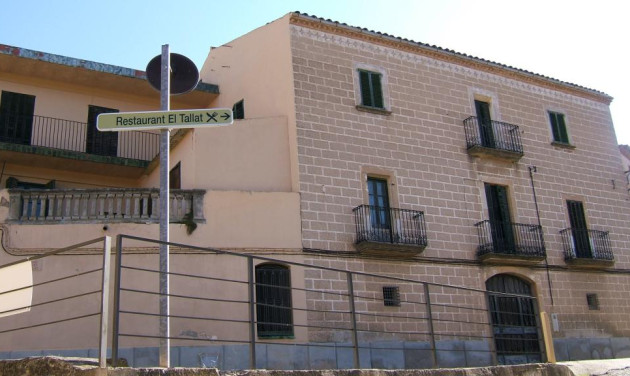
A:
[389, 231]
[493, 140]
[518, 243]
[121, 205]
[587, 248]
[59, 143]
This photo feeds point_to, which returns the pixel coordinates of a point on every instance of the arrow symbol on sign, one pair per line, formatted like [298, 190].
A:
[225, 116]
[211, 117]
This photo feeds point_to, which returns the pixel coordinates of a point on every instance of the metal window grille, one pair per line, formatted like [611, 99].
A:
[391, 296]
[593, 302]
[274, 315]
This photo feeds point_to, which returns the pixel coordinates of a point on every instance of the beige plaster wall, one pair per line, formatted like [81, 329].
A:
[234, 220]
[257, 67]
[251, 154]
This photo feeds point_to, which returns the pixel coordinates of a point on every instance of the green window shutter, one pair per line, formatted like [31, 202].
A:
[558, 127]
[377, 90]
[366, 97]
[554, 126]
[564, 137]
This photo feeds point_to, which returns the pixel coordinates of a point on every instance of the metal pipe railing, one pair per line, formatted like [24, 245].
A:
[345, 315]
[45, 312]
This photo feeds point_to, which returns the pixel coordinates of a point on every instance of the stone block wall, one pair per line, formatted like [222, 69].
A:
[418, 144]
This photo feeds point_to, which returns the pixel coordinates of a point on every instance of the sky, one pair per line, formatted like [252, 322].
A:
[577, 41]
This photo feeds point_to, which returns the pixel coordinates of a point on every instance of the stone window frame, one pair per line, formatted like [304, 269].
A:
[550, 127]
[386, 110]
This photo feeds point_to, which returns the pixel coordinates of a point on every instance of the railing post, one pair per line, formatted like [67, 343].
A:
[388, 213]
[102, 342]
[353, 315]
[252, 312]
[116, 320]
[427, 298]
[493, 347]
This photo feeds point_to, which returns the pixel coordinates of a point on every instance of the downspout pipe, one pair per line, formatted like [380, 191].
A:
[533, 169]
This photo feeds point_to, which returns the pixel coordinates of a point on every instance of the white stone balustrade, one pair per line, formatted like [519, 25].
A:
[30, 206]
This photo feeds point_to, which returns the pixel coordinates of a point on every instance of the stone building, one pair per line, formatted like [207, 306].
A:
[361, 152]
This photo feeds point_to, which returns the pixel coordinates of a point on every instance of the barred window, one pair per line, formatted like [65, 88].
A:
[274, 315]
[593, 302]
[391, 296]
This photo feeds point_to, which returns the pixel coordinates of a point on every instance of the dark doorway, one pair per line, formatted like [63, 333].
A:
[274, 315]
[486, 134]
[100, 143]
[379, 209]
[514, 320]
[16, 117]
[579, 231]
[175, 177]
[500, 220]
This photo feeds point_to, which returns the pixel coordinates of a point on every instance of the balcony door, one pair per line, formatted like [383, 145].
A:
[100, 143]
[486, 134]
[579, 231]
[500, 219]
[16, 117]
[379, 208]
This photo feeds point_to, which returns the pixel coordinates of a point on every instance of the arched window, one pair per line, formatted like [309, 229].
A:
[514, 320]
[274, 316]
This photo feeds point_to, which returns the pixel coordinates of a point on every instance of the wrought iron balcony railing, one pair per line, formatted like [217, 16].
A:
[495, 135]
[390, 225]
[77, 136]
[586, 244]
[513, 239]
[32, 206]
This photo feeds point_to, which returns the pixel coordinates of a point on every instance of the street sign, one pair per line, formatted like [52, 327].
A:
[129, 121]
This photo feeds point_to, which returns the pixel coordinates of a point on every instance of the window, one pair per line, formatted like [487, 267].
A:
[16, 117]
[238, 110]
[391, 296]
[371, 89]
[558, 128]
[274, 315]
[175, 177]
[593, 302]
[100, 143]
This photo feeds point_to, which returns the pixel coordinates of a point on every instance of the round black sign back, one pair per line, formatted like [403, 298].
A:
[184, 74]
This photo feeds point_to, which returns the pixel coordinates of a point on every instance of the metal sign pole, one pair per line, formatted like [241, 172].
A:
[165, 103]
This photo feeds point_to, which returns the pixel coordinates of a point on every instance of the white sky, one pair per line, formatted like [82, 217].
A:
[582, 42]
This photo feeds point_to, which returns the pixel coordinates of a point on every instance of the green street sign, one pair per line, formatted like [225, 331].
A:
[129, 121]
